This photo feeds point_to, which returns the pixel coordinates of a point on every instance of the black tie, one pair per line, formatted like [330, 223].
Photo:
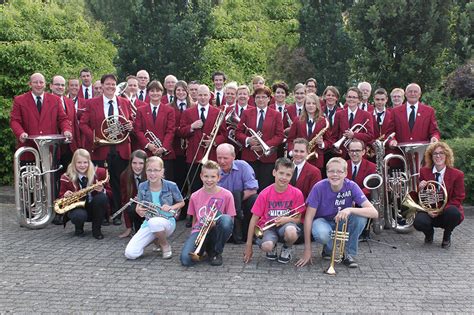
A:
[411, 121]
[181, 106]
[363, 106]
[154, 113]
[299, 112]
[260, 121]
[38, 103]
[83, 182]
[218, 99]
[140, 97]
[310, 128]
[379, 118]
[331, 114]
[137, 180]
[241, 110]
[86, 95]
[294, 177]
[171, 98]
[203, 118]
[354, 173]
[280, 109]
[111, 108]
[351, 119]
[437, 176]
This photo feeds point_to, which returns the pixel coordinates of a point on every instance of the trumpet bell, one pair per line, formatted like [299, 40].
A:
[120, 88]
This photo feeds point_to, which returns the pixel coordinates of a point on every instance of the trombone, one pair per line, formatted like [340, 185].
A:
[338, 246]
[346, 141]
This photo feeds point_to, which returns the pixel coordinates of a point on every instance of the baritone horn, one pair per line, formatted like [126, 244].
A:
[34, 183]
[338, 246]
[346, 141]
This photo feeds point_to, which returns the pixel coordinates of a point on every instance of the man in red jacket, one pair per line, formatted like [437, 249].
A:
[359, 168]
[305, 174]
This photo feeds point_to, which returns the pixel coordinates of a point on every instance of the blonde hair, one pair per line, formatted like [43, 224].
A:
[312, 97]
[211, 165]
[337, 160]
[448, 152]
[153, 159]
[71, 169]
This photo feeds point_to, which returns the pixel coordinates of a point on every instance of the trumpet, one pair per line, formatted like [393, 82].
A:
[346, 141]
[73, 201]
[153, 139]
[312, 142]
[206, 227]
[338, 245]
[258, 135]
[114, 131]
[290, 213]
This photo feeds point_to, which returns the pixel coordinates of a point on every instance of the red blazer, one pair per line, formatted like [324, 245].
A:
[223, 100]
[91, 121]
[370, 107]
[299, 129]
[341, 124]
[425, 124]
[81, 94]
[147, 97]
[272, 133]
[323, 110]
[252, 101]
[177, 139]
[189, 116]
[454, 183]
[71, 115]
[164, 127]
[164, 99]
[290, 112]
[25, 117]
[365, 169]
[67, 184]
[387, 126]
[309, 176]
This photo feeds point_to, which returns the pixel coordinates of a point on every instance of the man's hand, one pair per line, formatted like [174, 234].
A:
[348, 134]
[305, 259]
[434, 139]
[23, 137]
[197, 124]
[140, 211]
[393, 143]
[68, 136]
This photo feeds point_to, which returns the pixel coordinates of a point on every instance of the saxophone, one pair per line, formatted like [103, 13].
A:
[312, 142]
[73, 201]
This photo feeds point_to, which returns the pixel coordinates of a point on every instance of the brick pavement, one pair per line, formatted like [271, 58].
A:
[50, 270]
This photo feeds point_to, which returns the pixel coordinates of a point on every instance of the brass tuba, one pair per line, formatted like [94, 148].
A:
[34, 183]
[374, 182]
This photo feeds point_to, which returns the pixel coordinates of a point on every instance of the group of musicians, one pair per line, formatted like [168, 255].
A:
[269, 155]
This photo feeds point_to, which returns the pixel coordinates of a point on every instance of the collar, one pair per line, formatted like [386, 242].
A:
[41, 96]
[106, 100]
[299, 107]
[233, 168]
[376, 111]
[409, 106]
[157, 106]
[349, 111]
[300, 166]
[441, 172]
[221, 92]
[264, 110]
[206, 107]
[358, 165]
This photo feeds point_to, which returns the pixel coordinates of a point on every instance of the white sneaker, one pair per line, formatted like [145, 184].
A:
[167, 253]
[285, 255]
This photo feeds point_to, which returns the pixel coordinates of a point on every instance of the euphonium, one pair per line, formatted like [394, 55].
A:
[73, 201]
[346, 141]
[290, 213]
[34, 188]
[338, 246]
[153, 139]
[257, 135]
[312, 142]
[206, 227]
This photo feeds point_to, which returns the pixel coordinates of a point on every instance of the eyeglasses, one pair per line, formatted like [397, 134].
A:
[154, 170]
[438, 153]
[339, 172]
[355, 151]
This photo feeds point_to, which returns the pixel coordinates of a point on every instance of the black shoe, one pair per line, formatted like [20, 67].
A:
[446, 241]
[58, 219]
[105, 222]
[117, 221]
[325, 256]
[98, 235]
[79, 232]
[189, 223]
[350, 262]
[429, 237]
[216, 260]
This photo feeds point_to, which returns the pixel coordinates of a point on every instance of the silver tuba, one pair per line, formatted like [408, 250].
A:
[374, 182]
[34, 183]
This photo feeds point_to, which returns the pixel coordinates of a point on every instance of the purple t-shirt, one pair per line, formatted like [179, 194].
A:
[328, 203]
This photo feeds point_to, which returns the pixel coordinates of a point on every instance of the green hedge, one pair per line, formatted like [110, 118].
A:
[463, 152]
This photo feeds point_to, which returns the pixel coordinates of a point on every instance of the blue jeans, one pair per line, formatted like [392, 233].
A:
[214, 242]
[322, 229]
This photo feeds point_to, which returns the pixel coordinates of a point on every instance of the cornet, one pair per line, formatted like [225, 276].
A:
[346, 141]
[258, 135]
[153, 139]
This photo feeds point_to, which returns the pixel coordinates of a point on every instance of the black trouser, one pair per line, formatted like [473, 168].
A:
[134, 217]
[115, 165]
[94, 212]
[243, 215]
[263, 173]
[447, 220]
[169, 170]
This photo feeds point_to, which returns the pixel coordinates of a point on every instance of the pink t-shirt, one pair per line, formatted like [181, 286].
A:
[271, 204]
[201, 202]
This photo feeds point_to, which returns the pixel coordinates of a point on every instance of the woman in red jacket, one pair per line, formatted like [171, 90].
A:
[439, 161]
[80, 174]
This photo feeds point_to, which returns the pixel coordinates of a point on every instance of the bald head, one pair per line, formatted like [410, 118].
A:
[203, 95]
[37, 83]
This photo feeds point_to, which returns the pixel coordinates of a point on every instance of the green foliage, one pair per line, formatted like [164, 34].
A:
[455, 117]
[463, 149]
[244, 37]
[49, 38]
[326, 42]
[397, 41]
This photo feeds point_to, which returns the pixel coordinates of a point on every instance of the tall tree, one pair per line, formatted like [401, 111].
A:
[326, 42]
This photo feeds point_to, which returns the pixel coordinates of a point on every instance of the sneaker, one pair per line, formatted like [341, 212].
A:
[273, 254]
[446, 240]
[325, 255]
[429, 237]
[350, 262]
[285, 255]
[167, 253]
[216, 260]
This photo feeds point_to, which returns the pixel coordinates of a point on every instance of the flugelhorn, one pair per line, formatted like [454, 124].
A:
[338, 246]
[290, 213]
[258, 135]
[312, 142]
[346, 141]
[153, 139]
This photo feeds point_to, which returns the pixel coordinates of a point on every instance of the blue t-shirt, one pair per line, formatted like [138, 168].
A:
[328, 203]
